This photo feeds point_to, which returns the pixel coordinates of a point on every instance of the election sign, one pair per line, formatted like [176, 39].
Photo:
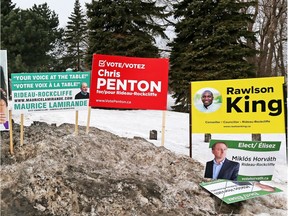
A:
[4, 93]
[256, 159]
[33, 92]
[231, 192]
[238, 106]
[129, 82]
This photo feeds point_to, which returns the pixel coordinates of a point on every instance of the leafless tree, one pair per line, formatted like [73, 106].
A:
[271, 25]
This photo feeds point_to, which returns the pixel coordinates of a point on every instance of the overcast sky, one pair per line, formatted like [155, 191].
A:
[63, 8]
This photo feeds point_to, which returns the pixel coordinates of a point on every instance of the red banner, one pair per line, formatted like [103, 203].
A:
[129, 82]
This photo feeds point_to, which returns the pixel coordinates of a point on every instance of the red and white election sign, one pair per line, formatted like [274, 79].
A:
[129, 82]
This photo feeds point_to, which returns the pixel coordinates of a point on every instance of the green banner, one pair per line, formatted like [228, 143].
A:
[254, 178]
[260, 146]
[231, 192]
[48, 81]
[55, 91]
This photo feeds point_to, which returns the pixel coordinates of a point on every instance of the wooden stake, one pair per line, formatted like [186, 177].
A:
[11, 133]
[163, 127]
[88, 120]
[76, 122]
[22, 130]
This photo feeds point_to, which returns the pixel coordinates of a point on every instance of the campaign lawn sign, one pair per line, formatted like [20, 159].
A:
[231, 192]
[4, 110]
[239, 106]
[55, 91]
[129, 82]
[257, 159]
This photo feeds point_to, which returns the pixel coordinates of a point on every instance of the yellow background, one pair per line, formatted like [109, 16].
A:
[273, 124]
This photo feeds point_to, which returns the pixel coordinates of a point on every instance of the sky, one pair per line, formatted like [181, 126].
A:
[139, 123]
[63, 8]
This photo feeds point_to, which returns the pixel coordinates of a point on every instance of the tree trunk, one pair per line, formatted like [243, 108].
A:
[272, 27]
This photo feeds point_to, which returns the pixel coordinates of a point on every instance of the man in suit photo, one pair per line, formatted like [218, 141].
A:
[83, 94]
[220, 167]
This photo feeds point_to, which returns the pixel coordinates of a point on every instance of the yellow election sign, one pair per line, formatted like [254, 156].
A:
[238, 106]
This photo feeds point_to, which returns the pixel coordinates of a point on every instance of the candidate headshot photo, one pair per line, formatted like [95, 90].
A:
[207, 100]
[220, 167]
[83, 94]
